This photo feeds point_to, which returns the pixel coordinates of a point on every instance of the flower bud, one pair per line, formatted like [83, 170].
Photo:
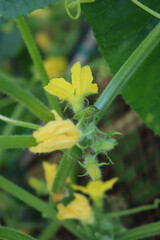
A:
[92, 168]
[108, 144]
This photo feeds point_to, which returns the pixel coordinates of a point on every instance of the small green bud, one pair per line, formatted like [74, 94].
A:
[108, 144]
[92, 168]
[105, 144]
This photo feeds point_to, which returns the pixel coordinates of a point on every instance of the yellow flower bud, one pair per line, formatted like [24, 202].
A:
[55, 135]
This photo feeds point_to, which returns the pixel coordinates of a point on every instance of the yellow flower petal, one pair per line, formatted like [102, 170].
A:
[50, 172]
[86, 79]
[96, 189]
[60, 88]
[56, 115]
[109, 184]
[79, 209]
[91, 89]
[75, 70]
[82, 79]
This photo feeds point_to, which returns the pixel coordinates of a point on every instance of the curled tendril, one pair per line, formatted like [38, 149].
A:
[77, 4]
[72, 5]
[147, 9]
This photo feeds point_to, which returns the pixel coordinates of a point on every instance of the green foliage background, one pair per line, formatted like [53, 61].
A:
[119, 27]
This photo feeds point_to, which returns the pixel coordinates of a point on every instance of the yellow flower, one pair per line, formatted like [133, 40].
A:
[50, 173]
[55, 66]
[79, 209]
[43, 41]
[55, 135]
[74, 93]
[96, 189]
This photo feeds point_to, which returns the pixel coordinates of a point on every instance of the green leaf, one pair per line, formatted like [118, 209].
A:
[145, 98]
[27, 198]
[39, 205]
[10, 142]
[9, 37]
[142, 232]
[119, 27]
[12, 89]
[13, 9]
[12, 234]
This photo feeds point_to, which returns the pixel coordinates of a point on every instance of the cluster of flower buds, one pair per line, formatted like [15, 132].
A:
[94, 142]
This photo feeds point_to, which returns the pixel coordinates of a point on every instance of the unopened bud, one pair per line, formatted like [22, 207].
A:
[92, 168]
[108, 144]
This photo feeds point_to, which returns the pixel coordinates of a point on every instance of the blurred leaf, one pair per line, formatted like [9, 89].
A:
[8, 203]
[12, 234]
[143, 91]
[13, 9]
[119, 27]
[38, 185]
[144, 232]
[9, 37]
[9, 87]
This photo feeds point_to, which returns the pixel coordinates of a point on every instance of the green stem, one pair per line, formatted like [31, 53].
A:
[12, 234]
[10, 88]
[128, 69]
[141, 232]
[134, 210]
[35, 55]
[14, 141]
[147, 9]
[19, 123]
[65, 168]
[8, 129]
[50, 231]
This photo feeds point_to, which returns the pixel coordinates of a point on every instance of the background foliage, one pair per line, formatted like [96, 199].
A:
[119, 27]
